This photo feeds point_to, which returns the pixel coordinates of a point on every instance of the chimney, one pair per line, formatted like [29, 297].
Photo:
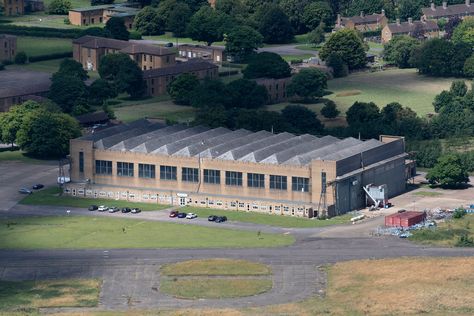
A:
[410, 21]
[398, 21]
[361, 14]
[468, 3]
[338, 22]
[445, 5]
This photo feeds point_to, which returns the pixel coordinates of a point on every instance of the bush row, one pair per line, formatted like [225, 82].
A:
[36, 31]
[229, 73]
[33, 59]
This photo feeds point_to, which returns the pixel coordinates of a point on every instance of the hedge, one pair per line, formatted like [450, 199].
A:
[40, 31]
[33, 59]
[228, 73]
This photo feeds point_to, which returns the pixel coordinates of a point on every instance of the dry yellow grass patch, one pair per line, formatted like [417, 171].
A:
[348, 93]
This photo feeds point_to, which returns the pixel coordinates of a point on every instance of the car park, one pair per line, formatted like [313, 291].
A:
[38, 186]
[93, 208]
[191, 216]
[135, 210]
[221, 219]
[182, 215]
[174, 213]
[25, 191]
[126, 210]
[102, 208]
[113, 209]
[212, 218]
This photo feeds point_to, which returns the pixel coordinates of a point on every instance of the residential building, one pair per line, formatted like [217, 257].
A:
[17, 86]
[158, 79]
[428, 28]
[34, 5]
[446, 11]
[280, 174]
[276, 88]
[214, 53]
[7, 47]
[13, 7]
[362, 22]
[101, 14]
[88, 50]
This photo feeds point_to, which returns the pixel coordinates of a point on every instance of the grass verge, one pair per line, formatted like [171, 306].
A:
[267, 219]
[296, 57]
[427, 193]
[83, 232]
[18, 155]
[221, 267]
[27, 296]
[35, 46]
[50, 66]
[50, 196]
[205, 288]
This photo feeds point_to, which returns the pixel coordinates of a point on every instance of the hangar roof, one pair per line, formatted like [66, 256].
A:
[240, 145]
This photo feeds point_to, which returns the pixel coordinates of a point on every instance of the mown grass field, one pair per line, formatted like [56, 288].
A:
[271, 220]
[34, 46]
[27, 296]
[84, 232]
[405, 86]
[447, 233]
[50, 66]
[215, 278]
[50, 196]
[18, 155]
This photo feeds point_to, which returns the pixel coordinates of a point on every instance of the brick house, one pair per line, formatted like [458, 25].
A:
[13, 7]
[89, 49]
[7, 47]
[362, 22]
[276, 88]
[214, 53]
[101, 14]
[446, 11]
[429, 27]
[158, 79]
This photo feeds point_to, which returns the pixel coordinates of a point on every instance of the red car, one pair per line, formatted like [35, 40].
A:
[174, 213]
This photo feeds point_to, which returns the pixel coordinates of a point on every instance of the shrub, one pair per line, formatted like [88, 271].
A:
[33, 59]
[67, 21]
[40, 31]
[465, 241]
[135, 35]
[459, 213]
[59, 7]
[21, 58]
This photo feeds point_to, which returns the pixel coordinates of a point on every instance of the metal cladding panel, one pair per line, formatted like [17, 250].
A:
[347, 165]
[135, 141]
[114, 130]
[383, 152]
[391, 173]
[106, 143]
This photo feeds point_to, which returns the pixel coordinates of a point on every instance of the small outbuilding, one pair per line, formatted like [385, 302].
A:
[405, 219]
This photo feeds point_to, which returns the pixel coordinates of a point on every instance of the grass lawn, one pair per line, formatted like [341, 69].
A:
[405, 86]
[50, 196]
[18, 155]
[84, 232]
[208, 267]
[296, 57]
[168, 37]
[215, 278]
[447, 233]
[50, 66]
[271, 220]
[41, 19]
[34, 46]
[27, 296]
[427, 193]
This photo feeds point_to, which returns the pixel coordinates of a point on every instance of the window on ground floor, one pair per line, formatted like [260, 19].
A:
[212, 176]
[255, 180]
[190, 174]
[146, 171]
[278, 182]
[125, 169]
[300, 184]
[233, 178]
[103, 167]
[168, 173]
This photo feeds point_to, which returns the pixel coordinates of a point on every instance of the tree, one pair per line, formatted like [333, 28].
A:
[148, 22]
[247, 94]
[68, 92]
[11, 121]
[213, 116]
[21, 58]
[448, 172]
[330, 110]
[443, 99]
[179, 18]
[364, 119]
[409, 9]
[267, 65]
[96, 31]
[99, 91]
[339, 67]
[46, 135]
[316, 36]
[464, 32]
[117, 29]
[468, 68]
[59, 7]
[458, 88]
[308, 84]
[207, 25]
[302, 120]
[210, 93]
[123, 73]
[70, 67]
[399, 50]
[451, 26]
[295, 10]
[348, 45]
[316, 13]
[100, 2]
[243, 41]
[399, 120]
[435, 57]
[164, 9]
[275, 26]
[181, 88]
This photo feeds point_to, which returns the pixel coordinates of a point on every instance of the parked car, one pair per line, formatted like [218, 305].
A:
[113, 209]
[221, 219]
[102, 208]
[212, 218]
[169, 44]
[182, 215]
[25, 191]
[93, 208]
[135, 210]
[38, 186]
[174, 213]
[126, 210]
[191, 216]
